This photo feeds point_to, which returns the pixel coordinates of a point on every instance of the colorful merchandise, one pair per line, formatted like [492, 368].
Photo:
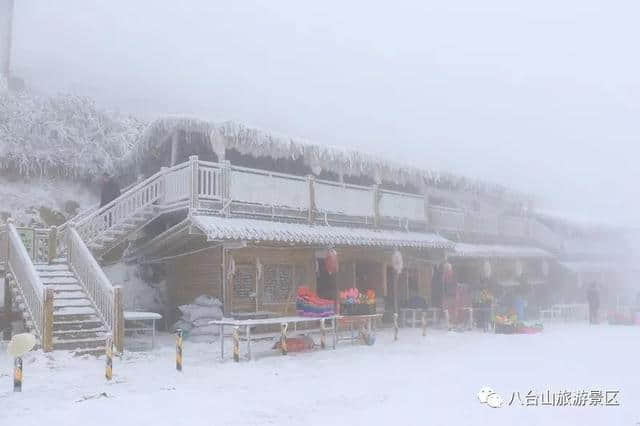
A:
[355, 302]
[308, 304]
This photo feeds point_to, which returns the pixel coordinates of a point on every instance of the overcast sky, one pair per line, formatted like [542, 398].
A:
[542, 96]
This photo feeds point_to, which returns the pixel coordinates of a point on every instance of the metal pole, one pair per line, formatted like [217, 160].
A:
[5, 60]
[108, 368]
[179, 349]
[17, 375]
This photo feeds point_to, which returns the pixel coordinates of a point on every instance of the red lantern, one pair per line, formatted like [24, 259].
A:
[331, 262]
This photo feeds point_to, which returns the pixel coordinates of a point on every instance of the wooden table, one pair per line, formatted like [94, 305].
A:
[367, 322]
[294, 320]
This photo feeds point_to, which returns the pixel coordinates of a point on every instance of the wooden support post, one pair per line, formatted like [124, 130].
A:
[236, 344]
[108, 368]
[283, 338]
[163, 171]
[179, 350]
[395, 326]
[5, 324]
[312, 199]
[227, 182]
[174, 148]
[424, 323]
[226, 301]
[396, 278]
[118, 326]
[47, 323]
[195, 183]
[323, 334]
[53, 244]
[376, 205]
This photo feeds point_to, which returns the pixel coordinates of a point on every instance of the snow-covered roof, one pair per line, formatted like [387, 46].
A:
[486, 251]
[220, 228]
[590, 267]
[341, 161]
[63, 135]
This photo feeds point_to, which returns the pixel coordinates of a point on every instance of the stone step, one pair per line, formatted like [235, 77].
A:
[66, 295]
[55, 273]
[82, 334]
[90, 322]
[59, 280]
[52, 267]
[71, 303]
[72, 312]
[63, 288]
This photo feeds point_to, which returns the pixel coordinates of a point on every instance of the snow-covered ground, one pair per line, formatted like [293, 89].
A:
[418, 380]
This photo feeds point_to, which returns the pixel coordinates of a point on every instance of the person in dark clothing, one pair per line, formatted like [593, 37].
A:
[594, 303]
[109, 191]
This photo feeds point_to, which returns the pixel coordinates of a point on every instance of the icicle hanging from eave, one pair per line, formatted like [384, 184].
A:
[258, 143]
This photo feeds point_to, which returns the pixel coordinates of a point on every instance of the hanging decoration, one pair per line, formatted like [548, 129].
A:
[397, 262]
[518, 268]
[486, 269]
[231, 270]
[259, 268]
[331, 263]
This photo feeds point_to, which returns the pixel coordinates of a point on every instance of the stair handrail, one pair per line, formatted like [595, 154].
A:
[138, 196]
[37, 299]
[4, 244]
[106, 298]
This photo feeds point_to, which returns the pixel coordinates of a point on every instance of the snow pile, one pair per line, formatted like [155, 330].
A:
[197, 316]
[144, 288]
[63, 135]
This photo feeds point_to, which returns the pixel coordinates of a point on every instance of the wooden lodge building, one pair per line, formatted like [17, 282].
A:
[266, 210]
[248, 217]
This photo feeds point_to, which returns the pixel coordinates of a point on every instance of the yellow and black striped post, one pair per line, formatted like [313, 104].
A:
[17, 374]
[236, 344]
[179, 349]
[424, 323]
[108, 368]
[395, 326]
[283, 338]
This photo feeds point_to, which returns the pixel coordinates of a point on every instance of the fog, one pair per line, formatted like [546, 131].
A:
[541, 96]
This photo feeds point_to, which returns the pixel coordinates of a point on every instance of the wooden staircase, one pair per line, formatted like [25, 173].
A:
[120, 232]
[77, 326]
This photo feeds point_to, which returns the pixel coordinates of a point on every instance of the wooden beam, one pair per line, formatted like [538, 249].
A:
[7, 316]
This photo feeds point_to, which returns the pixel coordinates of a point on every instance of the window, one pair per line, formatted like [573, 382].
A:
[281, 282]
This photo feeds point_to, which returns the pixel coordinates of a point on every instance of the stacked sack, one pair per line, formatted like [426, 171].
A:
[308, 304]
[196, 317]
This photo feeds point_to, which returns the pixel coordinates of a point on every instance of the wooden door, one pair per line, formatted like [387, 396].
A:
[245, 289]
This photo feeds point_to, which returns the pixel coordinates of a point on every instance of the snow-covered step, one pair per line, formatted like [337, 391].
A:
[71, 303]
[83, 323]
[58, 288]
[52, 267]
[72, 311]
[59, 280]
[65, 295]
[86, 333]
[55, 273]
